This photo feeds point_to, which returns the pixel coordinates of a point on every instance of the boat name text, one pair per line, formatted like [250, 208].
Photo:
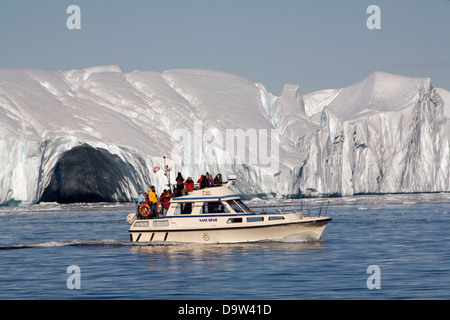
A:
[208, 220]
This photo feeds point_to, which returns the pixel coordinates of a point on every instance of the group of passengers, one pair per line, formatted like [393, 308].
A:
[206, 181]
[148, 205]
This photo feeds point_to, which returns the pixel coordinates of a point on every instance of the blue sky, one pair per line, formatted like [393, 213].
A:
[317, 44]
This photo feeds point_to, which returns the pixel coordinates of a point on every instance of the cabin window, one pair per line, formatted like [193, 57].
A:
[234, 220]
[160, 223]
[183, 208]
[177, 208]
[235, 206]
[187, 208]
[141, 224]
[238, 206]
[276, 218]
[255, 219]
[214, 207]
[243, 206]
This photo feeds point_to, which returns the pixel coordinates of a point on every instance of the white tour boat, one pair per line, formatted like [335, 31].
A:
[217, 215]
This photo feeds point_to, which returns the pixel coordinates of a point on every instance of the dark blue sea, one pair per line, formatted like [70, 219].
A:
[376, 247]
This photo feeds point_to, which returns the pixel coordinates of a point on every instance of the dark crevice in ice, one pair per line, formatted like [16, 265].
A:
[86, 174]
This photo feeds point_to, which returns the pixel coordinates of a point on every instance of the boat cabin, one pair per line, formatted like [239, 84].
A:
[214, 200]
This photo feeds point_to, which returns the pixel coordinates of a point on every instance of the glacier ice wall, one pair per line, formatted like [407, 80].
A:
[95, 134]
[385, 134]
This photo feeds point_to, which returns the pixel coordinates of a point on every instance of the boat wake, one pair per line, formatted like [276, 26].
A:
[301, 238]
[49, 244]
[115, 243]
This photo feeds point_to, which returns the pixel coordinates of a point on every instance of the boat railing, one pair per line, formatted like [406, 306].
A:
[298, 208]
[197, 186]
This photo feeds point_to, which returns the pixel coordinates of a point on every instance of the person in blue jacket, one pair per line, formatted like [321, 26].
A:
[140, 199]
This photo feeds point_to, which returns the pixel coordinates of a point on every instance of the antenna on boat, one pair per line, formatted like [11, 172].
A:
[167, 170]
[326, 209]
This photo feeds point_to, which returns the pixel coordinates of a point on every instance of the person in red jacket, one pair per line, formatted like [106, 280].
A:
[199, 181]
[189, 184]
[165, 201]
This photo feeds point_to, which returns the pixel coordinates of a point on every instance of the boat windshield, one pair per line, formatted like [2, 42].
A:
[238, 206]
[214, 207]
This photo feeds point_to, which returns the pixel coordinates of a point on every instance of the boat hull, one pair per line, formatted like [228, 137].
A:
[305, 229]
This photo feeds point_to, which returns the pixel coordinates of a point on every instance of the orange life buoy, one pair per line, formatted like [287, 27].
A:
[158, 207]
[144, 210]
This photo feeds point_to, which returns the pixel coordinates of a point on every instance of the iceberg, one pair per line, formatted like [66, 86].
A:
[445, 95]
[96, 134]
[385, 134]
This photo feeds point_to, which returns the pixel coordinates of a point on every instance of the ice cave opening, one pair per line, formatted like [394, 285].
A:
[86, 174]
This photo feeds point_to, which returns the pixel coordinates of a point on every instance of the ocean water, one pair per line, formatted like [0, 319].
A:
[406, 238]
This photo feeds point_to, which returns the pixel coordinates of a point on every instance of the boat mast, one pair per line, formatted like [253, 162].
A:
[167, 170]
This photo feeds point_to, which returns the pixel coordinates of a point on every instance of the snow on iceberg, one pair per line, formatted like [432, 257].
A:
[445, 95]
[95, 134]
[385, 134]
